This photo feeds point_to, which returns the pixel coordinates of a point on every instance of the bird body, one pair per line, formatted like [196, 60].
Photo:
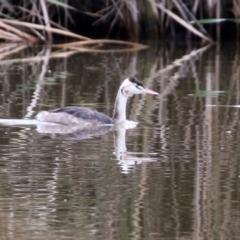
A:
[74, 115]
[86, 117]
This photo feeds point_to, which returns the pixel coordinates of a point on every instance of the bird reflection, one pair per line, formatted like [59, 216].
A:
[127, 160]
[75, 132]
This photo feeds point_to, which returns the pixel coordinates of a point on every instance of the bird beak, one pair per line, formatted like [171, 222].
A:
[145, 90]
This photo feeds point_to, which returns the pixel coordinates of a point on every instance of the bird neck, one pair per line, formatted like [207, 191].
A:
[119, 113]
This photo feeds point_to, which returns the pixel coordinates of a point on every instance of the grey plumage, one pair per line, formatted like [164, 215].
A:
[85, 113]
[74, 115]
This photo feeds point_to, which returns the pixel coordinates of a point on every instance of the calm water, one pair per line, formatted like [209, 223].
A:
[180, 176]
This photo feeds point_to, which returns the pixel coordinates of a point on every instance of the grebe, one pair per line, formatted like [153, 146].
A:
[87, 117]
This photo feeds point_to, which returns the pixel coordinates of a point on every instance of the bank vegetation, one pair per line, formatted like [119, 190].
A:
[48, 21]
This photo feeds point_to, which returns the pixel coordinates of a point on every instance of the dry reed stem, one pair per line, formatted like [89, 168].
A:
[38, 58]
[31, 13]
[19, 33]
[9, 36]
[40, 27]
[154, 8]
[180, 9]
[183, 23]
[190, 15]
[236, 8]
[38, 34]
[46, 18]
[195, 6]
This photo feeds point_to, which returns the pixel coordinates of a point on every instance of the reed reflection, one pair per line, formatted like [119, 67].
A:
[75, 186]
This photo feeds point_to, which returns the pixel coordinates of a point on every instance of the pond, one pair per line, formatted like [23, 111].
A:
[179, 177]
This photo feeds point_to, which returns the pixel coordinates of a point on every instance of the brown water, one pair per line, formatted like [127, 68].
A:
[180, 176]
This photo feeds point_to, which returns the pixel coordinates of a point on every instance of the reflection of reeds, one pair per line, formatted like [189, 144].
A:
[37, 58]
[97, 46]
[190, 191]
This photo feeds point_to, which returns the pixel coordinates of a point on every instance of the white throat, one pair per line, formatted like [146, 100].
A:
[119, 114]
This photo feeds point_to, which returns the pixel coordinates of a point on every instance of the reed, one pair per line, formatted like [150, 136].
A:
[43, 20]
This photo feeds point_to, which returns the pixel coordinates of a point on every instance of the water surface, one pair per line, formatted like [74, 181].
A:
[179, 178]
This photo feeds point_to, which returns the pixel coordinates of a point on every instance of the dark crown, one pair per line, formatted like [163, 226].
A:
[135, 80]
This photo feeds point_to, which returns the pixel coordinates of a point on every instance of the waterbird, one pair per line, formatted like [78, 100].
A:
[86, 117]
